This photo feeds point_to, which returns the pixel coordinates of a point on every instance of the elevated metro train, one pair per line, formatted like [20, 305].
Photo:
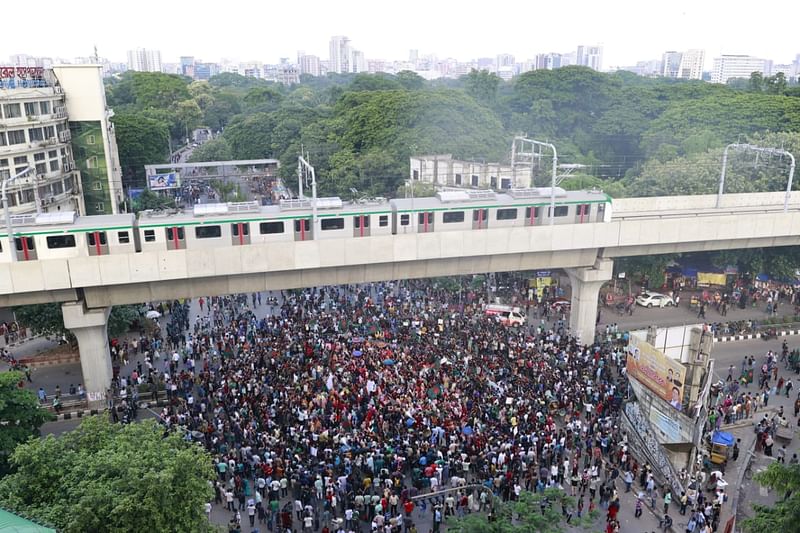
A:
[64, 235]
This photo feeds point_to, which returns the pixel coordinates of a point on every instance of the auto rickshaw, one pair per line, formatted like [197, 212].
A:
[721, 446]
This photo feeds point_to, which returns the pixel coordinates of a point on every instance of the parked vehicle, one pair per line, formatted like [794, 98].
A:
[512, 316]
[654, 299]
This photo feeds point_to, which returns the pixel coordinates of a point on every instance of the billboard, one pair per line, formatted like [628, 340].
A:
[664, 376]
[160, 182]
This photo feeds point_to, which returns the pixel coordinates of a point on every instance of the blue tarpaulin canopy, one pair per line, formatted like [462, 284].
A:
[722, 437]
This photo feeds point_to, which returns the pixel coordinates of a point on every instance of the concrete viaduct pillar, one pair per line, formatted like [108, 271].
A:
[90, 328]
[586, 283]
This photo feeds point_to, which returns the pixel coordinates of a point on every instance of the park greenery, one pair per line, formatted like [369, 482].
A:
[109, 477]
[21, 416]
[48, 319]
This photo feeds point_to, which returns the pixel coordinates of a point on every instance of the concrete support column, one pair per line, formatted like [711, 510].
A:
[586, 283]
[90, 328]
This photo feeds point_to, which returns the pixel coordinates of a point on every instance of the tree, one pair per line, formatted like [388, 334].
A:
[410, 80]
[48, 319]
[784, 515]
[141, 141]
[21, 416]
[482, 85]
[121, 318]
[216, 149]
[107, 477]
[152, 200]
[756, 82]
[540, 512]
[188, 115]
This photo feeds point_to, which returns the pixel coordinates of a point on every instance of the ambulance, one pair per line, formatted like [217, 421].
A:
[511, 316]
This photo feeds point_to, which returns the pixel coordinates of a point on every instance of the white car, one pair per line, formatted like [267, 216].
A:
[654, 299]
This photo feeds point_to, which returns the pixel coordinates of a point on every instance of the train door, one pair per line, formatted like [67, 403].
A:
[26, 248]
[97, 243]
[361, 226]
[601, 213]
[176, 238]
[240, 233]
[302, 230]
[582, 212]
[425, 220]
[480, 218]
[533, 216]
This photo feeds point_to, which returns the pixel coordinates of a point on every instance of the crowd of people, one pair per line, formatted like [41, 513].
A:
[348, 409]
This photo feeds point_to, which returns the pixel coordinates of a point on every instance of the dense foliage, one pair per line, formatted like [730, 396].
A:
[21, 416]
[110, 477]
[784, 515]
[48, 319]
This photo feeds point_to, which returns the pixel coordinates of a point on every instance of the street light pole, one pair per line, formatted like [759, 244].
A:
[8, 215]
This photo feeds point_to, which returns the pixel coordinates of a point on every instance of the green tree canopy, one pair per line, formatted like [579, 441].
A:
[784, 515]
[216, 149]
[141, 141]
[107, 477]
[21, 416]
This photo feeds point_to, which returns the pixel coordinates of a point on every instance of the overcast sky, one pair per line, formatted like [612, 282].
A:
[629, 30]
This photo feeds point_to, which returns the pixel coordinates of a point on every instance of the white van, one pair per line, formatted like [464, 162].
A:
[511, 316]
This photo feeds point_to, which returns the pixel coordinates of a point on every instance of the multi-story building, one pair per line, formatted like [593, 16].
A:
[55, 122]
[692, 64]
[144, 60]
[547, 61]
[187, 66]
[590, 56]
[358, 63]
[670, 64]
[309, 64]
[339, 54]
[737, 66]
[444, 171]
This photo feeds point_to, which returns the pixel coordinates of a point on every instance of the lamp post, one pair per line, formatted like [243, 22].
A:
[6, 213]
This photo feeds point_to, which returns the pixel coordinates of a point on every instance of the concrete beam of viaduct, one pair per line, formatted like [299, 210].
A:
[96, 297]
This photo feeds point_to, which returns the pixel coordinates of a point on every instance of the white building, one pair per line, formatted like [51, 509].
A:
[358, 63]
[670, 64]
[737, 66]
[444, 171]
[339, 54]
[309, 64]
[692, 64]
[144, 60]
[590, 56]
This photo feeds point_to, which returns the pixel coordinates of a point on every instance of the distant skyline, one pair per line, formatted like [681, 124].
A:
[628, 30]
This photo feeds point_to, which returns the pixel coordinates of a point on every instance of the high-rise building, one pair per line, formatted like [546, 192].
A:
[547, 61]
[358, 63]
[692, 64]
[309, 64]
[144, 60]
[590, 56]
[340, 54]
[187, 66]
[737, 66]
[55, 122]
[670, 64]
[413, 55]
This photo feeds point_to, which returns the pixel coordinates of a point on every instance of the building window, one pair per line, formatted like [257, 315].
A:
[453, 216]
[97, 186]
[91, 162]
[208, 232]
[506, 214]
[458, 179]
[52, 153]
[39, 156]
[36, 134]
[101, 207]
[57, 187]
[41, 168]
[332, 224]
[54, 165]
[4, 162]
[3, 139]
[90, 139]
[493, 182]
[49, 132]
[16, 137]
[505, 183]
[21, 160]
[123, 237]
[61, 241]
[383, 221]
[44, 108]
[268, 228]
[31, 109]
[68, 184]
[12, 111]
[474, 181]
[416, 174]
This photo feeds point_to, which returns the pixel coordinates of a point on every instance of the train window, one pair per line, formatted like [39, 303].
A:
[171, 236]
[423, 216]
[506, 214]
[149, 235]
[357, 221]
[61, 241]
[90, 237]
[453, 216]
[267, 228]
[207, 232]
[561, 210]
[245, 229]
[332, 223]
[601, 211]
[383, 221]
[123, 237]
[28, 243]
[528, 212]
[306, 225]
[405, 220]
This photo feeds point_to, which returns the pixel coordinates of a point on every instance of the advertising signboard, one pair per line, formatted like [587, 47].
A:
[160, 182]
[662, 375]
